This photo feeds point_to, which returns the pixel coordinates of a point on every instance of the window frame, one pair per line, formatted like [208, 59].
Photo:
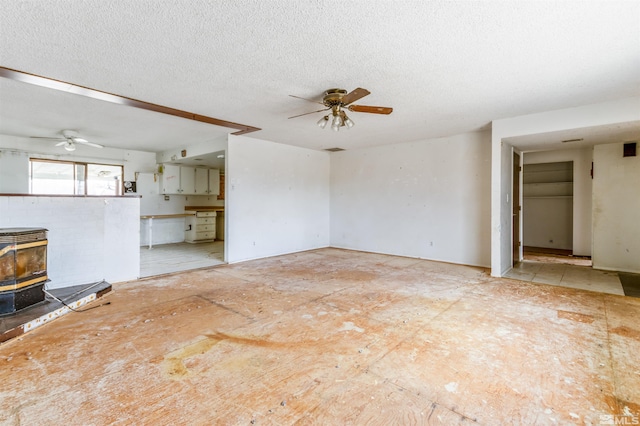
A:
[85, 177]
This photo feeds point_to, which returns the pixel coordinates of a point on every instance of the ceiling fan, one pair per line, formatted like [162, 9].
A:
[337, 100]
[69, 140]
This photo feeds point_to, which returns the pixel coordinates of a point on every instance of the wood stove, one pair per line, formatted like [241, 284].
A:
[23, 268]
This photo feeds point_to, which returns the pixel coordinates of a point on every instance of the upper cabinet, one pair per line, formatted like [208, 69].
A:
[214, 181]
[185, 180]
[170, 179]
[178, 179]
[202, 181]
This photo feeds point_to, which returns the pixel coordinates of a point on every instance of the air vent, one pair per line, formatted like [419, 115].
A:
[629, 149]
[573, 140]
[334, 149]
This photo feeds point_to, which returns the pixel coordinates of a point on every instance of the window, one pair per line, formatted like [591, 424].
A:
[104, 180]
[71, 178]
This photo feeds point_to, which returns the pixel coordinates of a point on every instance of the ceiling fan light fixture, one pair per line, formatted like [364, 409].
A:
[348, 122]
[322, 123]
[70, 146]
[336, 123]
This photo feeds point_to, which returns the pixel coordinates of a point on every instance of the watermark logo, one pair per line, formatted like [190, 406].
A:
[618, 419]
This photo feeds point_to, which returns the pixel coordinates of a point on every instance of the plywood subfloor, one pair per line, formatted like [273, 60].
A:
[330, 337]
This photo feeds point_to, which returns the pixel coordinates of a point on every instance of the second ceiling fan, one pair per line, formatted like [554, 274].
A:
[337, 100]
[69, 140]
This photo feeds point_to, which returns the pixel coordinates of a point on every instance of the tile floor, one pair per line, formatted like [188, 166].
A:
[567, 275]
[331, 337]
[168, 258]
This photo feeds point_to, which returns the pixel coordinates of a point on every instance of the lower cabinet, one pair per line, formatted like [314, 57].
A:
[201, 227]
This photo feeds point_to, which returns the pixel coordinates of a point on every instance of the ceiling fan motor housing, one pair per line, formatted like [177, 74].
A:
[70, 134]
[333, 97]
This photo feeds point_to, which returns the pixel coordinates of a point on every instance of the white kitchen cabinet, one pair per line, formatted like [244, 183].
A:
[187, 180]
[214, 182]
[201, 226]
[207, 181]
[178, 179]
[170, 179]
[202, 181]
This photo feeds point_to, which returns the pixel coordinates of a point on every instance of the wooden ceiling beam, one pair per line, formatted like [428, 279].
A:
[88, 92]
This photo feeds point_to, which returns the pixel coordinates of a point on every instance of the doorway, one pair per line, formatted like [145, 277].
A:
[548, 208]
[182, 232]
[515, 226]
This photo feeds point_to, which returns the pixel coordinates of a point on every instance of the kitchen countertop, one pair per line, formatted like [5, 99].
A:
[205, 208]
[165, 216]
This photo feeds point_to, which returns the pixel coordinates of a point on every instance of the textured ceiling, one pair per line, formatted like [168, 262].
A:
[446, 67]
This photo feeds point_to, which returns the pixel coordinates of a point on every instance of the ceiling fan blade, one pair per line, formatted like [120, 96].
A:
[371, 109]
[61, 143]
[312, 112]
[305, 99]
[354, 95]
[86, 142]
[46, 137]
[79, 140]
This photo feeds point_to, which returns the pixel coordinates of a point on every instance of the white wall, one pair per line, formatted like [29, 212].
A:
[90, 238]
[616, 209]
[13, 178]
[547, 222]
[277, 199]
[501, 205]
[618, 111]
[427, 199]
[582, 158]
